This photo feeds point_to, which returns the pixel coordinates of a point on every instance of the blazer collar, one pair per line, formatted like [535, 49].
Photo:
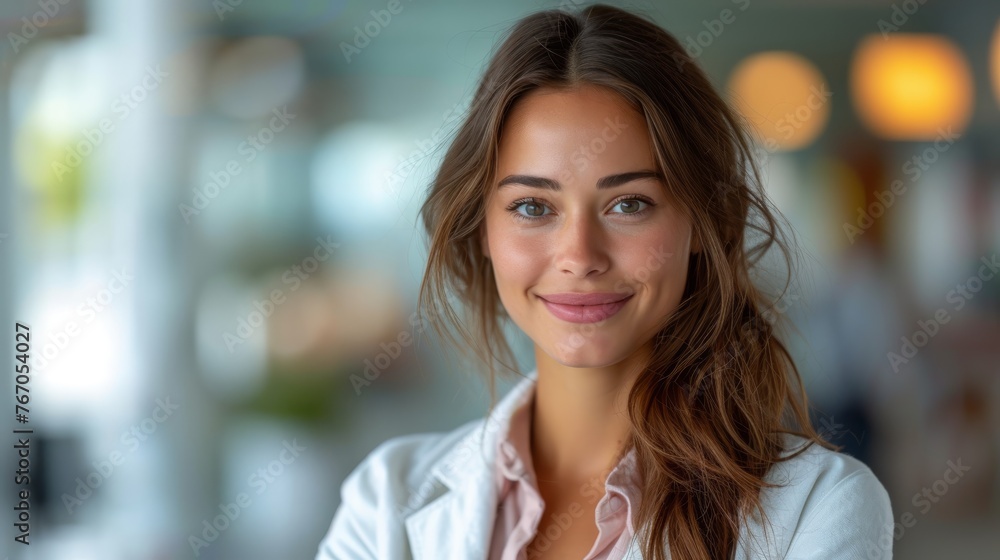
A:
[459, 524]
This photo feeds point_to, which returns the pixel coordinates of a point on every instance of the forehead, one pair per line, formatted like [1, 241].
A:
[583, 131]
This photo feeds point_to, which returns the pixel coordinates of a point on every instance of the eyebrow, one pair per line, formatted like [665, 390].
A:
[608, 182]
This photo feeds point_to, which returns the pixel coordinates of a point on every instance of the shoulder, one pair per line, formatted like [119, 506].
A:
[399, 466]
[405, 473]
[394, 479]
[827, 505]
[812, 471]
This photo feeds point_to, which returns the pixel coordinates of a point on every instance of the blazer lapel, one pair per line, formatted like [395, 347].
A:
[459, 524]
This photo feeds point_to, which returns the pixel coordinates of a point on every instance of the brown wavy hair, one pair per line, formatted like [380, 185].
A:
[709, 409]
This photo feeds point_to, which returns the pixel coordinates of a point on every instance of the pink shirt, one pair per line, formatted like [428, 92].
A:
[520, 505]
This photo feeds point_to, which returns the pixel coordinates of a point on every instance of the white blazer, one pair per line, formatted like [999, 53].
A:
[431, 496]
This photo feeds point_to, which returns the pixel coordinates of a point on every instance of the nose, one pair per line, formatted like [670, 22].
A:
[581, 246]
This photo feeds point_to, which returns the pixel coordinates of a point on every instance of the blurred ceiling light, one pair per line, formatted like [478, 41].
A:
[351, 185]
[995, 61]
[59, 89]
[255, 75]
[98, 345]
[784, 97]
[910, 86]
[61, 92]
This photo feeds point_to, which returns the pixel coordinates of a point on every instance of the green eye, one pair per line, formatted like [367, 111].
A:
[630, 206]
[533, 209]
[529, 208]
[633, 205]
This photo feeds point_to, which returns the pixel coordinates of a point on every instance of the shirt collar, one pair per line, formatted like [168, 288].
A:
[514, 443]
[513, 455]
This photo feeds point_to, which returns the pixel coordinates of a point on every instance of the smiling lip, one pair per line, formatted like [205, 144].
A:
[584, 308]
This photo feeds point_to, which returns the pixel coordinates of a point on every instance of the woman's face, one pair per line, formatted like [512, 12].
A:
[588, 253]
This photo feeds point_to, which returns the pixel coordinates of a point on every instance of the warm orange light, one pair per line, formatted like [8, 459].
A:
[783, 96]
[911, 86]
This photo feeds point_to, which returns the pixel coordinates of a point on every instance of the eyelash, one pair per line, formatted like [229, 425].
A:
[512, 208]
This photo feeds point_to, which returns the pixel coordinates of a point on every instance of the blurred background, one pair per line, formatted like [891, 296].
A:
[208, 226]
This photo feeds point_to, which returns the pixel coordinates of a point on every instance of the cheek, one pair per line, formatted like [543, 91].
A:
[516, 268]
[657, 259]
[518, 261]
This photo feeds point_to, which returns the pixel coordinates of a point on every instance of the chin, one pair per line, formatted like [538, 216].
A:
[587, 355]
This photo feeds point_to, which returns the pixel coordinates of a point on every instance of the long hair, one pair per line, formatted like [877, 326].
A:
[709, 409]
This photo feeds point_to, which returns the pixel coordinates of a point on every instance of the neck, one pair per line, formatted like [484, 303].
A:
[579, 420]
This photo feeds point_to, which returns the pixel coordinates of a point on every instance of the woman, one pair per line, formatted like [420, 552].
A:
[602, 196]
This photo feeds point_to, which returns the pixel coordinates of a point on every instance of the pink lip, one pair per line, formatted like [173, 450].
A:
[584, 308]
[588, 298]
